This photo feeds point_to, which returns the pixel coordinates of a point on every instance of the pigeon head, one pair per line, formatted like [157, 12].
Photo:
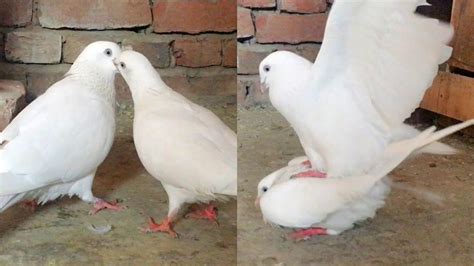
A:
[281, 67]
[101, 54]
[137, 71]
[265, 184]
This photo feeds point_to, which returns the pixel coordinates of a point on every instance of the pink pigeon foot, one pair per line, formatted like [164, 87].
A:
[306, 234]
[29, 205]
[209, 212]
[102, 205]
[311, 173]
[165, 227]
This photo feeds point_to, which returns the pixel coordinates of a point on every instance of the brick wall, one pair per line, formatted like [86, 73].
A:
[265, 26]
[191, 43]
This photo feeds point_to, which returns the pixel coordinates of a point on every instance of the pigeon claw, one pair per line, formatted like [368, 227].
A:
[209, 212]
[311, 173]
[164, 227]
[102, 205]
[306, 234]
[29, 205]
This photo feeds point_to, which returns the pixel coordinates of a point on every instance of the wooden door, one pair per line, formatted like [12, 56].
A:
[452, 93]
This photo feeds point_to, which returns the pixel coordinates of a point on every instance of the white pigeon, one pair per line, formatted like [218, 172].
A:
[54, 146]
[183, 145]
[364, 207]
[295, 80]
[357, 210]
[375, 64]
[320, 205]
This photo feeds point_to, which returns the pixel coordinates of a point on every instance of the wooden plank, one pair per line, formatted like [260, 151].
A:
[431, 98]
[451, 95]
[462, 18]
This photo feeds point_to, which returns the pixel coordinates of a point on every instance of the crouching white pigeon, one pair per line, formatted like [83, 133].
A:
[54, 146]
[185, 146]
[365, 206]
[320, 205]
[375, 64]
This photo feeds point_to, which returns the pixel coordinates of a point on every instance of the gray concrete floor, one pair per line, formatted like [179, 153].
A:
[405, 231]
[56, 234]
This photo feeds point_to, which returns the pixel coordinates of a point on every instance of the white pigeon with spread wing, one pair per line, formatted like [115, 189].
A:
[184, 145]
[54, 146]
[331, 205]
[364, 207]
[376, 62]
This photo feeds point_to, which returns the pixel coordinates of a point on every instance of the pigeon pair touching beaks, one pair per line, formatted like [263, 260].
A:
[55, 145]
[376, 62]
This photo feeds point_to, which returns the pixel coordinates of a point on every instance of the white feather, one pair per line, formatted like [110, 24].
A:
[55, 144]
[336, 203]
[185, 146]
[375, 64]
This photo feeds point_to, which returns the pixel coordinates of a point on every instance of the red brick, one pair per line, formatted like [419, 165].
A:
[229, 53]
[13, 72]
[39, 81]
[15, 12]
[249, 58]
[12, 100]
[197, 53]
[257, 3]
[194, 16]
[159, 53]
[94, 14]
[215, 85]
[245, 28]
[308, 51]
[188, 84]
[33, 47]
[290, 28]
[74, 45]
[304, 6]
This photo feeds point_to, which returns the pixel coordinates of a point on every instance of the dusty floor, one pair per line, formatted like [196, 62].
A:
[56, 233]
[405, 231]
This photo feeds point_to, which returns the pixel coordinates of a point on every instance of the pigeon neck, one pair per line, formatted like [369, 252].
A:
[284, 101]
[95, 78]
[152, 86]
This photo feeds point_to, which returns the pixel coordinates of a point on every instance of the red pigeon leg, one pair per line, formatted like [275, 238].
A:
[209, 212]
[311, 173]
[306, 234]
[101, 204]
[29, 205]
[165, 226]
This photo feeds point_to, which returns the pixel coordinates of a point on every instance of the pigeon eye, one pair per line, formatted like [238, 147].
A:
[264, 189]
[108, 52]
[266, 68]
[122, 65]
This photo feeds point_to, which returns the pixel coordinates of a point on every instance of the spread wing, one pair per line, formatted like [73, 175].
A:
[384, 52]
[376, 62]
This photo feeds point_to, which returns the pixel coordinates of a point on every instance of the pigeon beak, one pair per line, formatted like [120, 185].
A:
[257, 202]
[116, 62]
